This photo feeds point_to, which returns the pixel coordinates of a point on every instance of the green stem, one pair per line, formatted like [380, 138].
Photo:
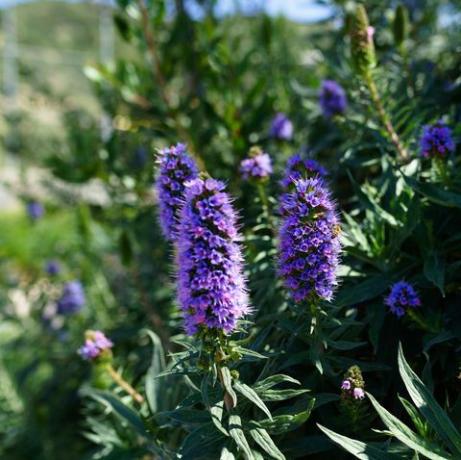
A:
[265, 205]
[384, 117]
[122, 383]
[417, 318]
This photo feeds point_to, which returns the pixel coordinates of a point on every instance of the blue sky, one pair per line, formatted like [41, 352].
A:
[298, 10]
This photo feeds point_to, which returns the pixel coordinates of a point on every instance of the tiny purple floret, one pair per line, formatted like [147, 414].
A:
[332, 99]
[436, 141]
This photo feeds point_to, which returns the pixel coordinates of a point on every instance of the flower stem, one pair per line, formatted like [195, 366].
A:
[265, 205]
[384, 117]
[416, 317]
[122, 383]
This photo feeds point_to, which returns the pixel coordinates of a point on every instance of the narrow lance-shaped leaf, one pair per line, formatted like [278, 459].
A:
[407, 436]
[428, 406]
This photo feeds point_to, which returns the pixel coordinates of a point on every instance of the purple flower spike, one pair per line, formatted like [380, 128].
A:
[309, 241]
[72, 298]
[176, 167]
[257, 166]
[436, 141]
[96, 342]
[332, 99]
[53, 267]
[401, 297]
[297, 168]
[281, 127]
[35, 210]
[358, 393]
[211, 286]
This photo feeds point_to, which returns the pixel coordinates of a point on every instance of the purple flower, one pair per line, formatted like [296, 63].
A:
[281, 127]
[176, 167]
[401, 297]
[140, 157]
[309, 240]
[258, 166]
[346, 385]
[358, 393]
[332, 98]
[52, 267]
[297, 168]
[72, 298]
[96, 342]
[211, 286]
[436, 141]
[35, 210]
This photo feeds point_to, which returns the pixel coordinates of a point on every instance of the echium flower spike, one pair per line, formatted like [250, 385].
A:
[96, 344]
[309, 241]
[211, 286]
[362, 47]
[332, 99]
[353, 384]
[281, 127]
[436, 141]
[176, 167]
[72, 299]
[258, 165]
[297, 168]
[400, 25]
[402, 296]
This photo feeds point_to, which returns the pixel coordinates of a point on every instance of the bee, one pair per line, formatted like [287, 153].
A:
[336, 230]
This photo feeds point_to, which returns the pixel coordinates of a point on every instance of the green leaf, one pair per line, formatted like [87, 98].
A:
[202, 443]
[435, 193]
[252, 396]
[280, 395]
[227, 382]
[357, 448]
[274, 380]
[226, 454]
[217, 412]
[428, 406]
[434, 270]
[236, 432]
[407, 436]
[157, 365]
[366, 290]
[123, 411]
[262, 438]
[369, 203]
[294, 417]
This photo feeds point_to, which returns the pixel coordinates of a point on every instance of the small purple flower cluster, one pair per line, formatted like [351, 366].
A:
[96, 342]
[257, 166]
[281, 127]
[211, 285]
[72, 298]
[176, 167]
[401, 297]
[53, 267]
[356, 393]
[309, 240]
[436, 141]
[297, 168]
[332, 99]
[35, 210]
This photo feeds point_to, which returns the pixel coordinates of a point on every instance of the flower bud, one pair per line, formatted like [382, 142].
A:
[401, 25]
[362, 47]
